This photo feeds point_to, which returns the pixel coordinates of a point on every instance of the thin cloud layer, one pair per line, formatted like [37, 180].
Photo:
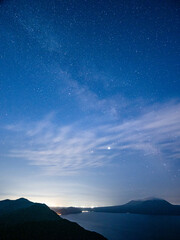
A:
[69, 149]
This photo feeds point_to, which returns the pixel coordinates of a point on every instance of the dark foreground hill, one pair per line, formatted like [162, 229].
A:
[35, 221]
[150, 207]
[7, 205]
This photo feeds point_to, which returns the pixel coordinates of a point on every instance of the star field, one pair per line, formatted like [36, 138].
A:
[89, 99]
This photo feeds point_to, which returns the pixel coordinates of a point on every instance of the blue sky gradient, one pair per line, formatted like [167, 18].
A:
[89, 99]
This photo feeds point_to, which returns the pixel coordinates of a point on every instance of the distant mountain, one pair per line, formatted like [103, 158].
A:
[149, 206]
[65, 211]
[153, 206]
[36, 221]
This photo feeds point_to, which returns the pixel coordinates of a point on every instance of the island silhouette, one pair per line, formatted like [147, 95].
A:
[152, 206]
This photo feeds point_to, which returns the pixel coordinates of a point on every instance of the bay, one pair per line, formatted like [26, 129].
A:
[119, 226]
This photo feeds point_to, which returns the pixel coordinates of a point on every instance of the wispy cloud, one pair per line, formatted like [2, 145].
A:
[69, 149]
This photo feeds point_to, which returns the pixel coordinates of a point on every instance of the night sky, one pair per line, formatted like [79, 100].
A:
[89, 101]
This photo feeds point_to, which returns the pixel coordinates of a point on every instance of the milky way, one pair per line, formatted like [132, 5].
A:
[90, 104]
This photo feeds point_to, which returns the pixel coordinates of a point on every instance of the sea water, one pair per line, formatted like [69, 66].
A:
[120, 226]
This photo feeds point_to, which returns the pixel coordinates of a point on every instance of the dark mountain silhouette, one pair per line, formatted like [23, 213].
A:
[7, 205]
[36, 221]
[34, 213]
[150, 206]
